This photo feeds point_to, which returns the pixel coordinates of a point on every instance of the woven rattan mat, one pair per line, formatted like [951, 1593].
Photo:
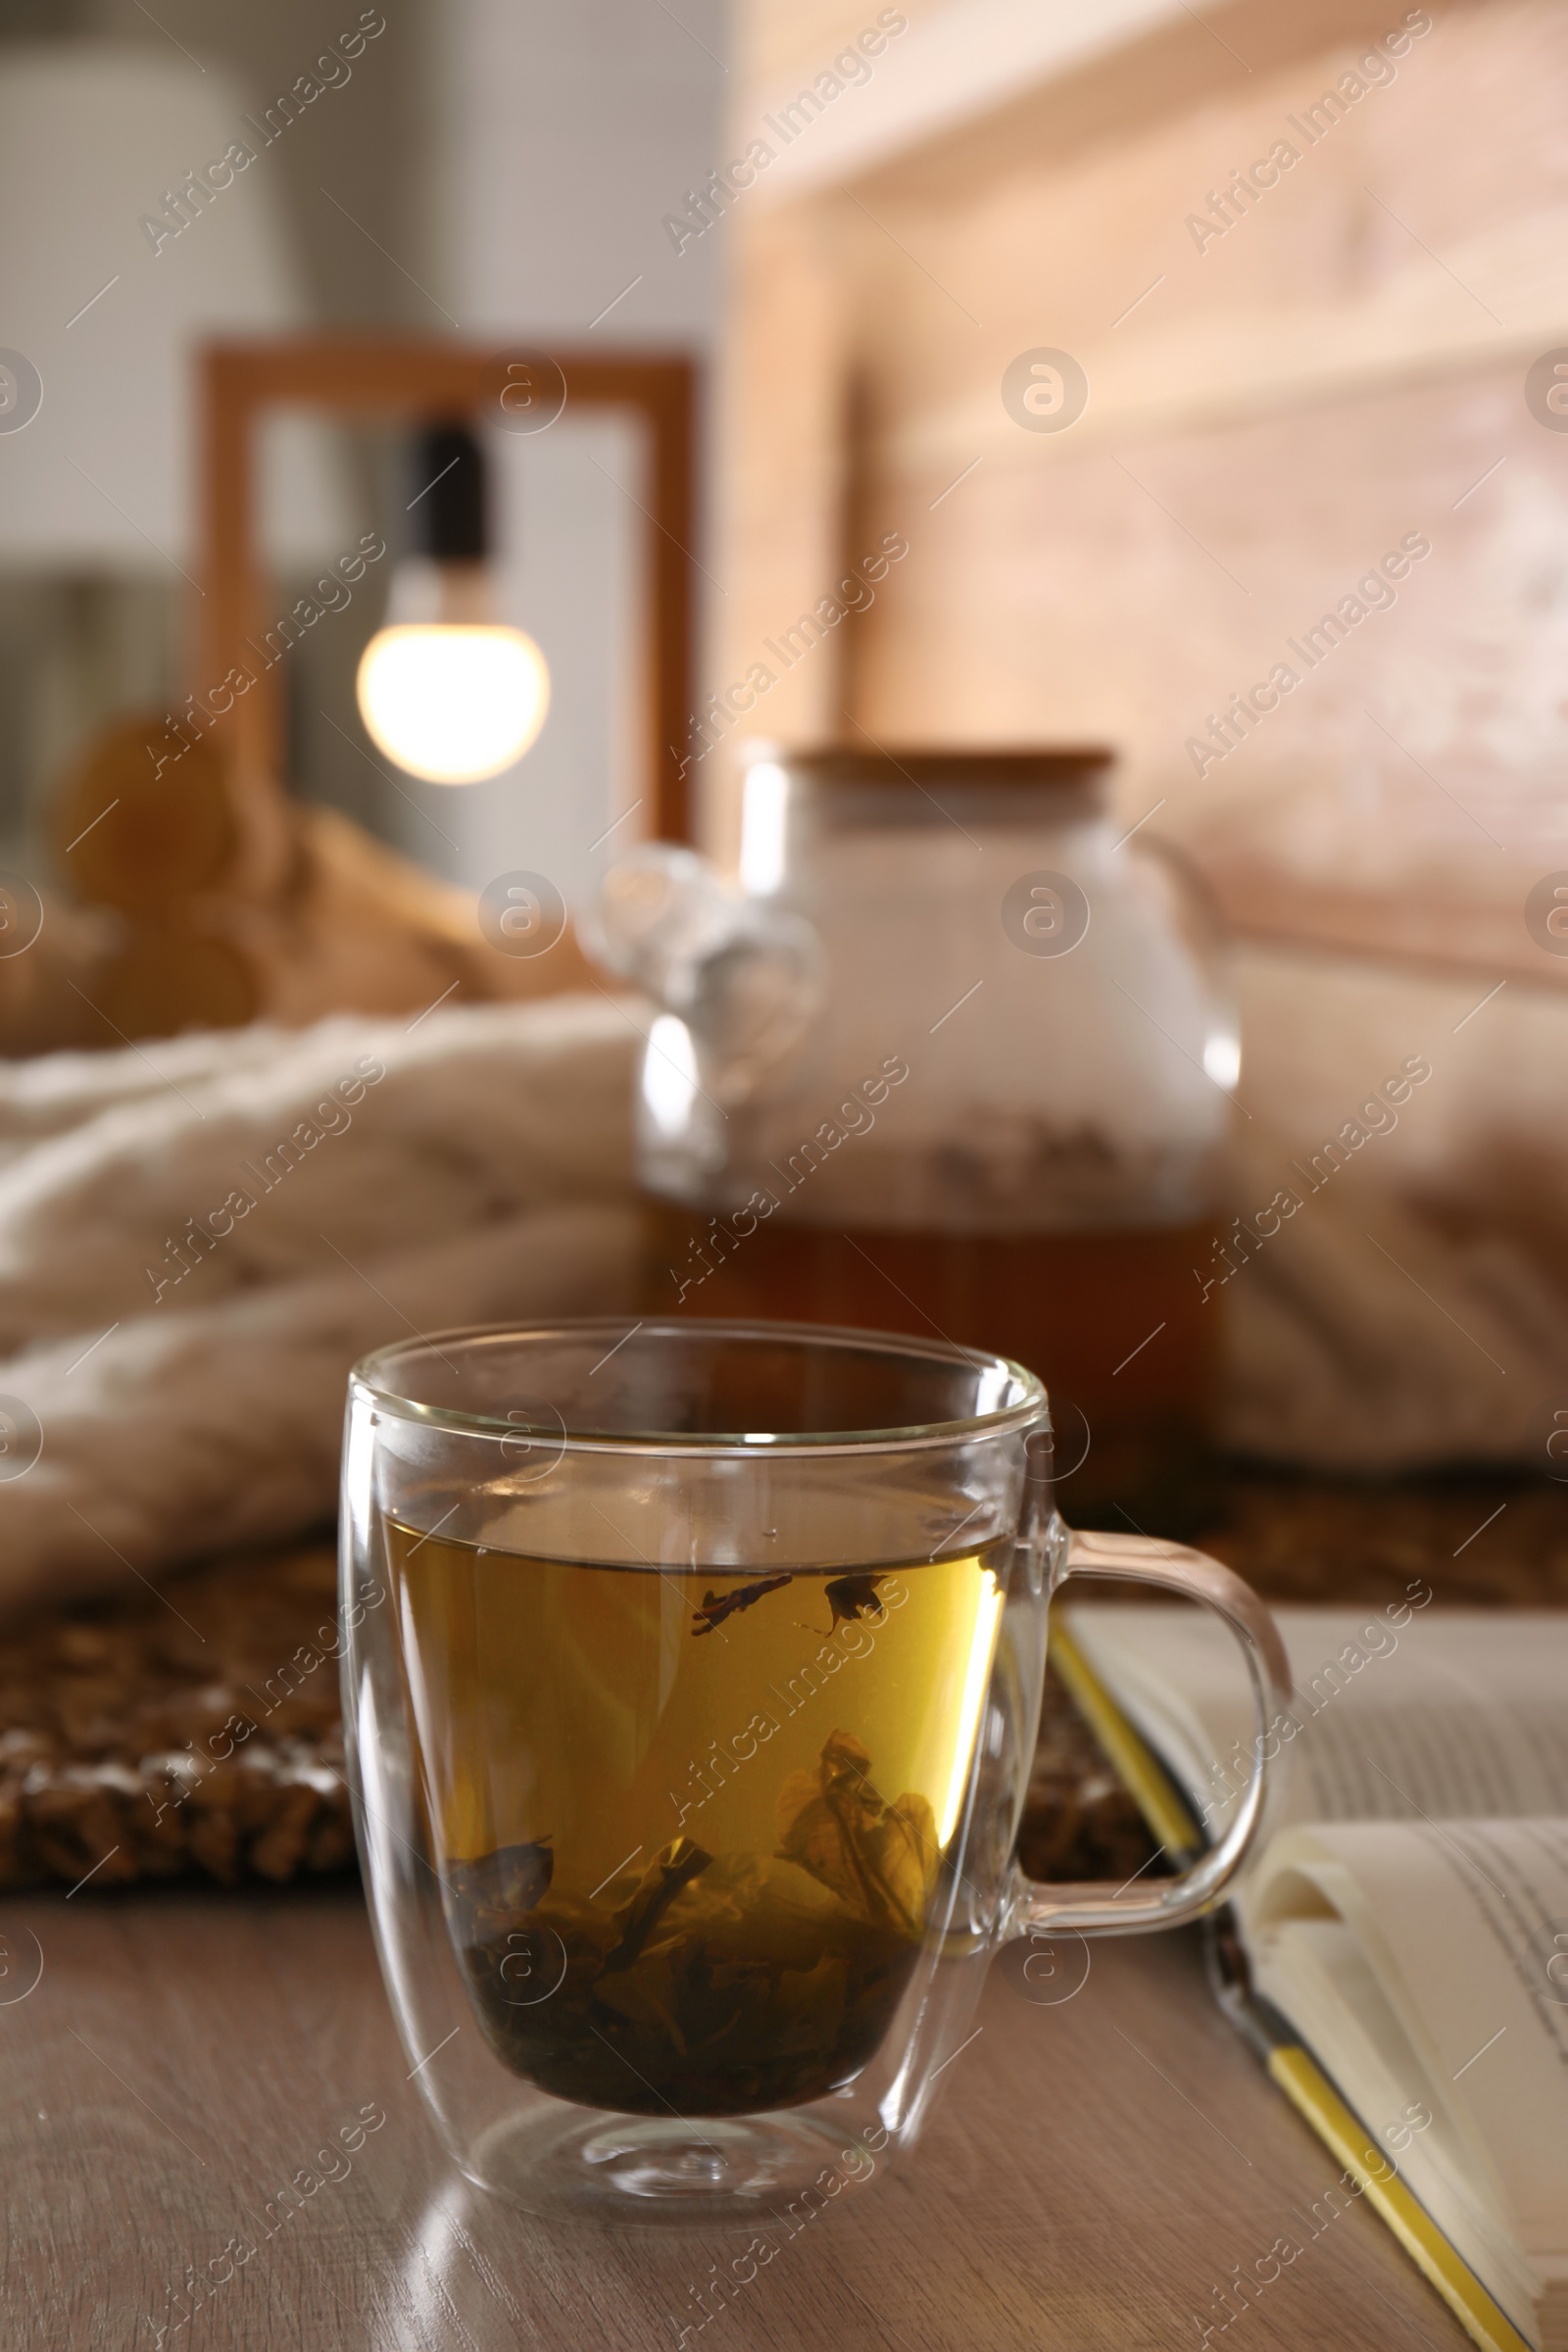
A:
[195, 1729]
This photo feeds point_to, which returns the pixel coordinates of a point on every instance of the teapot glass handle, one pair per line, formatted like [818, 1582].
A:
[658, 914]
[745, 977]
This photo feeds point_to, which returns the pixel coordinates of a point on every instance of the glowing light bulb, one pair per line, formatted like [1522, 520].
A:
[445, 689]
[453, 702]
[1222, 1059]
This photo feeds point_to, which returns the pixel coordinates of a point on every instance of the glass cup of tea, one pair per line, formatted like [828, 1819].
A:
[692, 1678]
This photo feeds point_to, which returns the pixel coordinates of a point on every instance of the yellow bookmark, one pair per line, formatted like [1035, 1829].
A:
[1310, 2091]
[1134, 1763]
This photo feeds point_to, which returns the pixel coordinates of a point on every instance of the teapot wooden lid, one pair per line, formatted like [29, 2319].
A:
[957, 767]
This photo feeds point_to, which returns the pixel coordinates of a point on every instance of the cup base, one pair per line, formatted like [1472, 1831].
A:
[662, 2171]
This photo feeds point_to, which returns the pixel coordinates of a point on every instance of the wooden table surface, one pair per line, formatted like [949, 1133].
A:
[1095, 2170]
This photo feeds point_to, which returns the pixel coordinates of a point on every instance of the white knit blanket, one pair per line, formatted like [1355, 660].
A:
[183, 1354]
[1367, 1334]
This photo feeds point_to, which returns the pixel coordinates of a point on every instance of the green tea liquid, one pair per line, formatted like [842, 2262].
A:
[689, 1822]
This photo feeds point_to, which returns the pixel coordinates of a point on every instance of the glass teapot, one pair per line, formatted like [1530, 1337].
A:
[952, 1060]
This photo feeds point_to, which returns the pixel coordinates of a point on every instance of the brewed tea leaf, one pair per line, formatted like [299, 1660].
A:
[850, 1598]
[671, 1869]
[904, 1845]
[878, 1858]
[644, 1997]
[716, 1607]
[494, 1892]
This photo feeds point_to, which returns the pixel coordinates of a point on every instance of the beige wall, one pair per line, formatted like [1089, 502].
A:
[1332, 374]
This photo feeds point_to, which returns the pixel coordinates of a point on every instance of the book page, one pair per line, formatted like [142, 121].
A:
[1399, 1713]
[1464, 1927]
[1315, 1972]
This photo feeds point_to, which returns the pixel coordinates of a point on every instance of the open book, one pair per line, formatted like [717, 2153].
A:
[1404, 1932]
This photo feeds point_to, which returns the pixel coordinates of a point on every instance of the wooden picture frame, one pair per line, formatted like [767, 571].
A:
[415, 378]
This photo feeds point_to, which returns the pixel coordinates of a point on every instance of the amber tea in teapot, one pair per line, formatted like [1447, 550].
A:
[1073, 1306]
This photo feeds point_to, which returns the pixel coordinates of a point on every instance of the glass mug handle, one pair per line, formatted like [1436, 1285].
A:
[1143, 1559]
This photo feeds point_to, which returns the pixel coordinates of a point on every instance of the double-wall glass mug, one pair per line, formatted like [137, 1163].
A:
[692, 1678]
